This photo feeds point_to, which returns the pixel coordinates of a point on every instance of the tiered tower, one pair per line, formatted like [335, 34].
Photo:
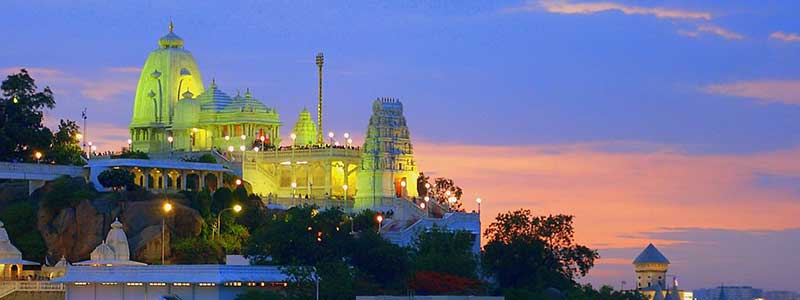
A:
[305, 129]
[320, 132]
[388, 169]
[651, 269]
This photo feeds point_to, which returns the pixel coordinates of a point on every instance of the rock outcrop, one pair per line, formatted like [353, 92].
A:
[75, 231]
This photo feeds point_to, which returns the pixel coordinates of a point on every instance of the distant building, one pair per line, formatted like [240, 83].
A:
[651, 276]
[781, 295]
[729, 293]
[12, 266]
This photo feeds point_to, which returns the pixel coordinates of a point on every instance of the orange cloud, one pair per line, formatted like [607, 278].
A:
[781, 91]
[617, 194]
[712, 29]
[784, 36]
[586, 8]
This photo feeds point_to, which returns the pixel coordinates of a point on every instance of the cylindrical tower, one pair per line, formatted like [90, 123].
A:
[320, 138]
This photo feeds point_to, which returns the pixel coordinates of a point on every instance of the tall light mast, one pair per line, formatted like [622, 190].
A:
[320, 138]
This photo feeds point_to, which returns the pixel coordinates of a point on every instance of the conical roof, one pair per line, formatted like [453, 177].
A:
[305, 129]
[214, 98]
[651, 255]
[658, 295]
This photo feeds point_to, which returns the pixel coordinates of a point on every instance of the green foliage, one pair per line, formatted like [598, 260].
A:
[604, 293]
[20, 223]
[116, 179]
[233, 237]
[21, 112]
[301, 236]
[535, 252]
[203, 202]
[259, 295]
[446, 252]
[439, 191]
[65, 192]
[205, 158]
[197, 251]
[223, 198]
[301, 282]
[65, 149]
[380, 261]
[336, 281]
[131, 154]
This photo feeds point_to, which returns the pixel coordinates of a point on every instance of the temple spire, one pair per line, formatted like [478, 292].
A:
[171, 27]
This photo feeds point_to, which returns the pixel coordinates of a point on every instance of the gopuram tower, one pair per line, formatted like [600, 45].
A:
[388, 170]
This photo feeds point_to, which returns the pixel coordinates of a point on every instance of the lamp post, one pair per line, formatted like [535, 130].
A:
[294, 186]
[428, 210]
[236, 208]
[230, 151]
[379, 218]
[331, 135]
[242, 148]
[403, 188]
[90, 150]
[344, 187]
[130, 141]
[170, 139]
[478, 200]
[38, 156]
[167, 208]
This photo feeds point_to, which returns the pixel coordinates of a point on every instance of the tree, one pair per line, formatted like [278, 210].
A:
[21, 111]
[116, 179]
[441, 190]
[535, 252]
[197, 251]
[223, 198]
[446, 252]
[20, 222]
[64, 149]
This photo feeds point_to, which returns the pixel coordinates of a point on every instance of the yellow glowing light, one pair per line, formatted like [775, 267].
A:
[227, 138]
[403, 183]
[230, 148]
[422, 205]
[379, 218]
[344, 187]
[79, 136]
[170, 139]
[478, 200]
[237, 208]
[244, 137]
[238, 181]
[130, 142]
[194, 129]
[167, 207]
[293, 136]
[38, 155]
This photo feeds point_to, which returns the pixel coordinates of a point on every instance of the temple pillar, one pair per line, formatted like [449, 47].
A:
[183, 180]
[219, 180]
[201, 181]
[164, 182]
[146, 173]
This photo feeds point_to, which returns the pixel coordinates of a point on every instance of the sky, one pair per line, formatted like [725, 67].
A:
[672, 122]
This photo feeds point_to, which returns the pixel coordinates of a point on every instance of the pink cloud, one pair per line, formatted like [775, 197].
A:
[586, 8]
[785, 36]
[102, 89]
[780, 91]
[615, 195]
[712, 29]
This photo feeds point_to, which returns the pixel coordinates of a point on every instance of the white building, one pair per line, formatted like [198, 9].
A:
[187, 282]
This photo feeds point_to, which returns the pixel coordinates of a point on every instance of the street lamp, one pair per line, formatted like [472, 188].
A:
[331, 135]
[346, 135]
[170, 139]
[244, 137]
[344, 187]
[238, 182]
[479, 204]
[167, 208]
[230, 151]
[379, 218]
[293, 136]
[38, 156]
[236, 208]
[227, 137]
[242, 148]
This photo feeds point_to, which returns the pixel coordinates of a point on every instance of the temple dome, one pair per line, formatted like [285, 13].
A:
[170, 40]
[246, 103]
[214, 99]
[169, 72]
[305, 129]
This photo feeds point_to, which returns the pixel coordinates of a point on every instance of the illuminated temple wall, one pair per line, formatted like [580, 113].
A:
[173, 104]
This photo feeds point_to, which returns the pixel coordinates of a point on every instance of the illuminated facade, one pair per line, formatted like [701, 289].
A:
[175, 112]
[651, 268]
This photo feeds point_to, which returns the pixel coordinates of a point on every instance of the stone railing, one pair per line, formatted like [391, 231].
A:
[8, 287]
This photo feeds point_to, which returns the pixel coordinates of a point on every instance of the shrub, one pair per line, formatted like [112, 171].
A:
[116, 179]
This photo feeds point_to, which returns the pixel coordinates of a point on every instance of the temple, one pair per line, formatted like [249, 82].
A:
[177, 116]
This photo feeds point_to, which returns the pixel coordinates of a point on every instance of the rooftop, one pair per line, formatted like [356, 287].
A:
[651, 255]
[173, 274]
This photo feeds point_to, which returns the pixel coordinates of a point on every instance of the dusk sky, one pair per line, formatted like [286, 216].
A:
[676, 123]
